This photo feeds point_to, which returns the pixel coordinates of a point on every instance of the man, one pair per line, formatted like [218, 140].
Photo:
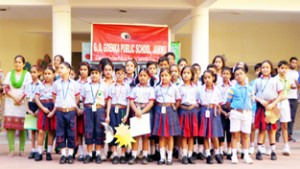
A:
[293, 74]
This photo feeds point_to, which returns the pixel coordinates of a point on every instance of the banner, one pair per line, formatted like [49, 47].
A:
[123, 42]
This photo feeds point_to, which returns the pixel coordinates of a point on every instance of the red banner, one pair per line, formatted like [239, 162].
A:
[124, 42]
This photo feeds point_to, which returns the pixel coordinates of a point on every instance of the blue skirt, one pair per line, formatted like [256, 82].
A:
[189, 123]
[210, 127]
[115, 121]
[166, 125]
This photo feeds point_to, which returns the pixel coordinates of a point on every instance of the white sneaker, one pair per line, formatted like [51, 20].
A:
[263, 150]
[234, 159]
[286, 151]
[248, 159]
[251, 150]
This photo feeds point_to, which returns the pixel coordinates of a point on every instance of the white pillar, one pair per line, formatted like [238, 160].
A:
[61, 31]
[200, 36]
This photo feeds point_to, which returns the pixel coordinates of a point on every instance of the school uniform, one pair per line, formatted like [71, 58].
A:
[94, 113]
[266, 89]
[30, 91]
[142, 95]
[188, 119]
[45, 94]
[210, 119]
[66, 107]
[166, 121]
[225, 120]
[80, 119]
[118, 95]
[241, 100]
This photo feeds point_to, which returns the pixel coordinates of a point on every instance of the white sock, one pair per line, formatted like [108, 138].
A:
[273, 147]
[196, 150]
[64, 152]
[98, 152]
[286, 145]
[246, 152]
[128, 150]
[145, 153]
[221, 149]
[259, 147]
[234, 152]
[184, 152]
[134, 153]
[217, 151]
[115, 153]
[207, 152]
[152, 149]
[90, 154]
[33, 150]
[123, 154]
[190, 153]
[70, 152]
[201, 148]
[49, 149]
[252, 144]
[170, 154]
[40, 149]
[162, 153]
[229, 151]
[80, 150]
[156, 147]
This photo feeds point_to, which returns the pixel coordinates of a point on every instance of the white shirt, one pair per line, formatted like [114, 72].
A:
[142, 94]
[81, 85]
[293, 76]
[267, 88]
[31, 89]
[93, 93]
[168, 94]
[208, 97]
[119, 93]
[45, 92]
[188, 94]
[224, 92]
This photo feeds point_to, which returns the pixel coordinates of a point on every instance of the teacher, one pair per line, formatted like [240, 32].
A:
[14, 110]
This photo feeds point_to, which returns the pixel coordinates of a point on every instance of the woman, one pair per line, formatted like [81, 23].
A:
[58, 59]
[15, 110]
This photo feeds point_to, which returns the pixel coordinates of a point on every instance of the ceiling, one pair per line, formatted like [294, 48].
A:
[167, 12]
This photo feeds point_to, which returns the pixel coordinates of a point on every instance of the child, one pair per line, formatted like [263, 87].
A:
[209, 97]
[219, 62]
[166, 124]
[181, 63]
[176, 80]
[141, 101]
[283, 105]
[66, 95]
[226, 76]
[46, 116]
[152, 69]
[240, 100]
[171, 57]
[188, 114]
[163, 62]
[32, 108]
[58, 59]
[94, 114]
[130, 72]
[118, 109]
[84, 72]
[268, 93]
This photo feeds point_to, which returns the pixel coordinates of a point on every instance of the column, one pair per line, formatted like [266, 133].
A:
[200, 36]
[61, 31]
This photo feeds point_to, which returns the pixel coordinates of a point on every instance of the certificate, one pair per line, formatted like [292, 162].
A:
[140, 126]
[30, 122]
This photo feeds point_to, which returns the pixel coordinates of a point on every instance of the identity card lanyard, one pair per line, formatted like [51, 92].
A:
[33, 91]
[117, 99]
[65, 94]
[164, 108]
[94, 107]
[207, 111]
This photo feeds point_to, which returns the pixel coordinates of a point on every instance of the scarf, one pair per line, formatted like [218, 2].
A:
[14, 82]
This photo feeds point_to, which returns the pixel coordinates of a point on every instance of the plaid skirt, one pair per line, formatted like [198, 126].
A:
[189, 122]
[260, 116]
[45, 123]
[210, 127]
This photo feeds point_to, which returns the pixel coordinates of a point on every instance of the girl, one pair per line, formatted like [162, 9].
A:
[226, 84]
[181, 63]
[14, 112]
[219, 62]
[240, 100]
[141, 101]
[176, 80]
[130, 66]
[31, 106]
[73, 74]
[188, 114]
[209, 97]
[46, 116]
[94, 115]
[166, 124]
[66, 96]
[118, 109]
[84, 69]
[268, 93]
[58, 59]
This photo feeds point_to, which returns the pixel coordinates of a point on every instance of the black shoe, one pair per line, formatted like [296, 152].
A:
[149, 158]
[38, 157]
[123, 160]
[228, 156]
[212, 152]
[93, 154]
[258, 156]
[242, 155]
[273, 156]
[145, 160]
[75, 151]
[157, 155]
[191, 160]
[109, 153]
[128, 155]
[291, 139]
[132, 160]
[219, 158]
[31, 155]
[161, 162]
[98, 159]
[175, 153]
[57, 150]
[70, 159]
[87, 159]
[115, 160]
[63, 160]
[277, 139]
[48, 157]
[184, 160]
[200, 156]
[209, 160]
[80, 158]
[194, 155]
[169, 162]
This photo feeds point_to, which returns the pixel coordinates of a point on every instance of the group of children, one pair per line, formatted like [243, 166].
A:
[191, 113]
